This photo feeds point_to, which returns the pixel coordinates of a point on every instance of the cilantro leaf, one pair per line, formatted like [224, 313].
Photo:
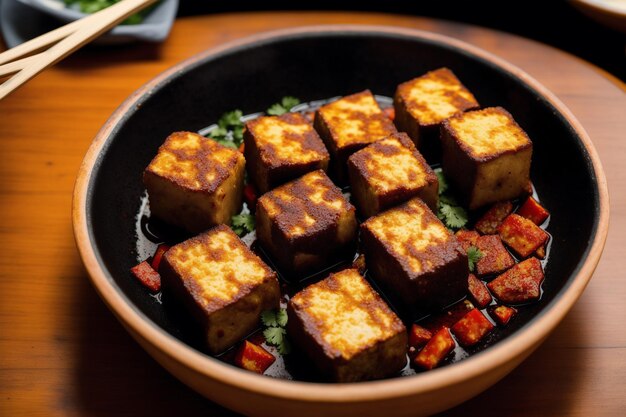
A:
[285, 347]
[284, 106]
[289, 102]
[231, 119]
[443, 183]
[268, 318]
[281, 317]
[274, 335]
[229, 129]
[473, 256]
[276, 110]
[243, 223]
[454, 217]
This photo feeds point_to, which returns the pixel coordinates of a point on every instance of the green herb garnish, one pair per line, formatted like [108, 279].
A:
[229, 130]
[94, 6]
[242, 223]
[275, 333]
[473, 256]
[284, 106]
[448, 210]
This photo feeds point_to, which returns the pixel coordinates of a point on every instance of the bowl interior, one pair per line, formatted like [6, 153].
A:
[320, 65]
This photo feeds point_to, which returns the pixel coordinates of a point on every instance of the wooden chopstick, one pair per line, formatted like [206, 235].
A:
[32, 57]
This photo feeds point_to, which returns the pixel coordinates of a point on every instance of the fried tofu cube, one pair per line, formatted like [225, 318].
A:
[194, 182]
[349, 124]
[282, 148]
[305, 224]
[389, 172]
[472, 328]
[222, 283]
[520, 284]
[522, 235]
[478, 291]
[467, 238]
[486, 156]
[492, 219]
[346, 329]
[410, 253]
[436, 350]
[423, 103]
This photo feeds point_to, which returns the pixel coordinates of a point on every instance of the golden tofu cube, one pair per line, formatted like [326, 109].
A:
[305, 224]
[349, 124]
[346, 329]
[389, 172]
[221, 283]
[486, 156]
[414, 258]
[282, 148]
[423, 103]
[194, 182]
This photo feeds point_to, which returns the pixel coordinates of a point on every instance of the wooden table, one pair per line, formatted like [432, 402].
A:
[62, 352]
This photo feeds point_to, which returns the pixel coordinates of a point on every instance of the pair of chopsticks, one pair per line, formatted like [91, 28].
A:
[30, 58]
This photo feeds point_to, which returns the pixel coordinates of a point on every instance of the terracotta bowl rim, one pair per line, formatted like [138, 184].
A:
[525, 339]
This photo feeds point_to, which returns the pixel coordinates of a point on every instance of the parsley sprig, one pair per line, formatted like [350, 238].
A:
[449, 211]
[275, 333]
[284, 106]
[242, 223]
[473, 256]
[229, 130]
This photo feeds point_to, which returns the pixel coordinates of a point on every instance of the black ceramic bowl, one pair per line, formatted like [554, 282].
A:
[318, 63]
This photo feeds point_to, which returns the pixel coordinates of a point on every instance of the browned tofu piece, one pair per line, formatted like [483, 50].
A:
[349, 124]
[346, 329]
[305, 224]
[194, 182]
[424, 102]
[412, 255]
[282, 148]
[222, 283]
[389, 172]
[486, 156]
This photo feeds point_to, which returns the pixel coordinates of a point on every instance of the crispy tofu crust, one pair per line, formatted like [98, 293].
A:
[302, 223]
[413, 256]
[424, 102]
[194, 182]
[222, 283]
[486, 156]
[347, 329]
[282, 148]
[349, 124]
[389, 172]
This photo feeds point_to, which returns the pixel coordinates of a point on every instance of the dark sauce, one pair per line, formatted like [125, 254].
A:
[151, 232]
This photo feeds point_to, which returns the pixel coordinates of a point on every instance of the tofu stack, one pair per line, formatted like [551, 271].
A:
[282, 148]
[349, 124]
[346, 329]
[222, 283]
[194, 183]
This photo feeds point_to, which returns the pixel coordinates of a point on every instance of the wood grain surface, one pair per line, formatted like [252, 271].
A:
[62, 353]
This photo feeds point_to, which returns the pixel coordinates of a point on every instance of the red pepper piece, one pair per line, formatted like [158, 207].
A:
[496, 259]
[250, 196]
[242, 147]
[390, 112]
[419, 336]
[489, 222]
[520, 284]
[467, 238]
[533, 211]
[147, 276]
[472, 328]
[502, 314]
[158, 255]
[522, 235]
[478, 291]
[435, 350]
[253, 358]
[541, 252]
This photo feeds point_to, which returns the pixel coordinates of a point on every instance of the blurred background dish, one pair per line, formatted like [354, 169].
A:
[610, 13]
[21, 20]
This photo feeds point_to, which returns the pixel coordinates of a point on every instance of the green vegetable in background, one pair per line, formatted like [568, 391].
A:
[285, 105]
[93, 6]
